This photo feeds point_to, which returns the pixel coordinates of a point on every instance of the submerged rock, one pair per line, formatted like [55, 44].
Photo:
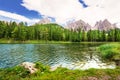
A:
[30, 66]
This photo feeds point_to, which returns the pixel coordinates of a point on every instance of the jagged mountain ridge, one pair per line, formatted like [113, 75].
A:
[100, 25]
[104, 25]
[81, 25]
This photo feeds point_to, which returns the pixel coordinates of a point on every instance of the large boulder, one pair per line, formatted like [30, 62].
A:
[30, 66]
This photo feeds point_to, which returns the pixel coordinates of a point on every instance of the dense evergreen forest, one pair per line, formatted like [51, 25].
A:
[53, 32]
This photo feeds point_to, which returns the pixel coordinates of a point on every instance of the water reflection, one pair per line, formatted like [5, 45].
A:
[73, 56]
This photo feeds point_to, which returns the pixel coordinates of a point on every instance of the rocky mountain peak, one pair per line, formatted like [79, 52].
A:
[103, 25]
[80, 24]
[100, 25]
[106, 23]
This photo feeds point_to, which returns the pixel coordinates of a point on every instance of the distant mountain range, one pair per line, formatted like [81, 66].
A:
[100, 25]
[80, 24]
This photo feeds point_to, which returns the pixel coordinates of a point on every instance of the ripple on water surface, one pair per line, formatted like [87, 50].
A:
[72, 56]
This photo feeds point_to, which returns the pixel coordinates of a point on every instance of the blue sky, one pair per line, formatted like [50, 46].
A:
[32, 11]
[14, 6]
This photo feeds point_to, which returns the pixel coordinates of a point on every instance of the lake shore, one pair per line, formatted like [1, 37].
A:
[10, 41]
[43, 73]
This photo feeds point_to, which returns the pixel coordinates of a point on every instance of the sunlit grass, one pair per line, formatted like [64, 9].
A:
[44, 73]
[110, 51]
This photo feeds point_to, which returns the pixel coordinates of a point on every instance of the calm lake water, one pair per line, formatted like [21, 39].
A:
[70, 55]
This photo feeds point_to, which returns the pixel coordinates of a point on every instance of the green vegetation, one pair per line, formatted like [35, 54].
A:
[44, 73]
[110, 51]
[11, 32]
[4, 41]
[19, 32]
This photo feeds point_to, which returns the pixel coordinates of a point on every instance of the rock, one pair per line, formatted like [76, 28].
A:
[103, 25]
[100, 25]
[77, 25]
[30, 66]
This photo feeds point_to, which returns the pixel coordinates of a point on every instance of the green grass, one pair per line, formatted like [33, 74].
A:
[44, 73]
[11, 41]
[110, 51]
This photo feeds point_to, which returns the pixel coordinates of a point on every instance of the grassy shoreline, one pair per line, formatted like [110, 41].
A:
[10, 41]
[44, 73]
[110, 52]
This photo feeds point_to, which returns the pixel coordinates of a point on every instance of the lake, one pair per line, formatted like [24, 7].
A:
[69, 55]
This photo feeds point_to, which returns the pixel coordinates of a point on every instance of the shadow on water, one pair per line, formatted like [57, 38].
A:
[72, 55]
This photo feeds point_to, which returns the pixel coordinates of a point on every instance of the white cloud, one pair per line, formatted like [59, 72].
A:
[64, 10]
[108, 8]
[4, 15]
[61, 10]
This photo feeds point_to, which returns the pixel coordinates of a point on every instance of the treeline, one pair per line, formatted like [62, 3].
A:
[53, 32]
